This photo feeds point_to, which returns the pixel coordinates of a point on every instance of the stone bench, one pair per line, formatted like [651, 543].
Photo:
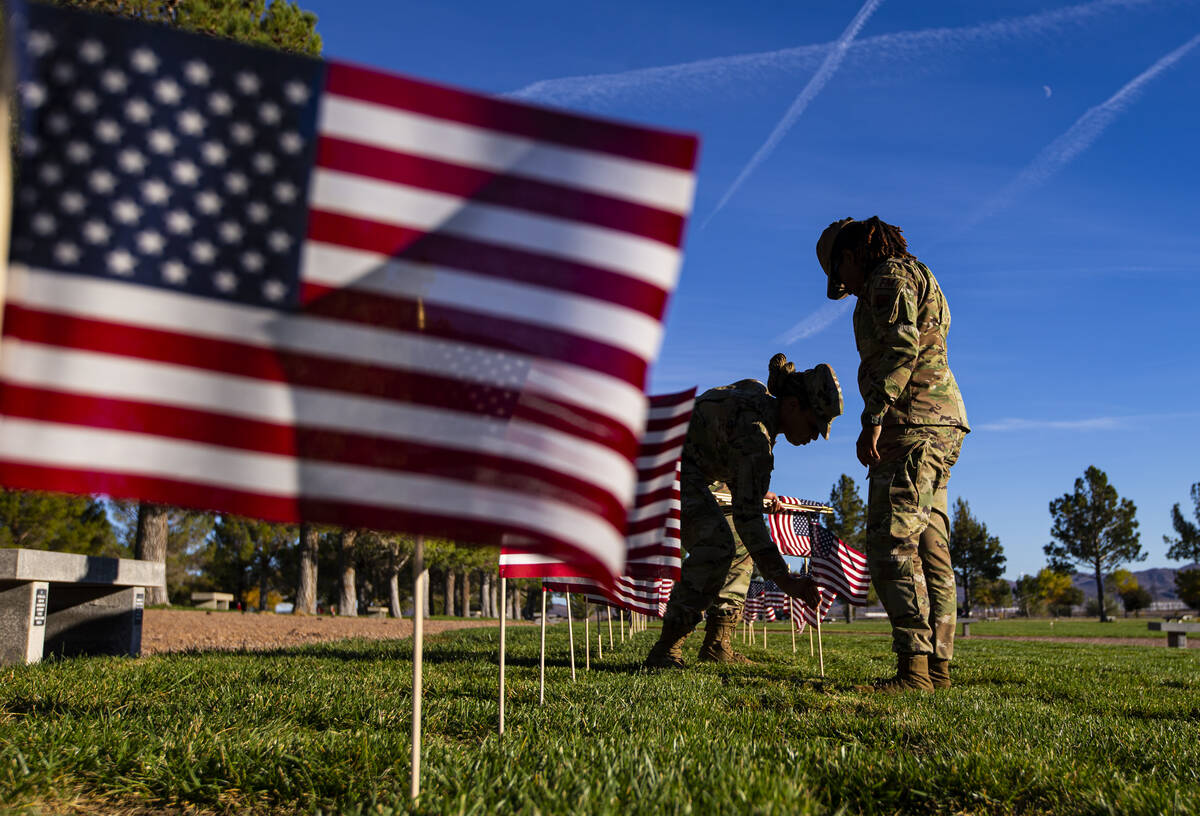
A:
[966, 626]
[212, 600]
[1176, 632]
[377, 611]
[68, 604]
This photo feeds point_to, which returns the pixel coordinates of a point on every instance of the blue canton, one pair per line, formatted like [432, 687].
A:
[162, 158]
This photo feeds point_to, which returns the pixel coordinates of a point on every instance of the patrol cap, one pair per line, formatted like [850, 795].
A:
[819, 384]
[834, 290]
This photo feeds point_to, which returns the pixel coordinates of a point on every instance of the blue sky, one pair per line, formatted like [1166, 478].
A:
[1041, 157]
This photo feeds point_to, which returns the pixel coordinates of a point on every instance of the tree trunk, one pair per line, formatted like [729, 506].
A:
[966, 596]
[262, 583]
[348, 597]
[466, 593]
[306, 593]
[484, 612]
[425, 596]
[151, 544]
[1100, 593]
[395, 564]
[450, 586]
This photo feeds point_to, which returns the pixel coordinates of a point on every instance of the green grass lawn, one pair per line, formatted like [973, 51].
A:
[1020, 627]
[1029, 728]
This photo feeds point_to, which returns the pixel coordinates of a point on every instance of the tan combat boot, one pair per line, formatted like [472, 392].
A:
[718, 641]
[912, 674]
[667, 653]
[939, 673]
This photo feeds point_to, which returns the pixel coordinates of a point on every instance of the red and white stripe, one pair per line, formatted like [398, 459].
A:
[652, 527]
[462, 253]
[803, 613]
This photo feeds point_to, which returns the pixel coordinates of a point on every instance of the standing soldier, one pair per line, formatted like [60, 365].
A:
[912, 430]
[731, 439]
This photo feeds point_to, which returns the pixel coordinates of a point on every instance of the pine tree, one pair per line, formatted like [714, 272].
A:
[977, 555]
[1185, 546]
[1095, 527]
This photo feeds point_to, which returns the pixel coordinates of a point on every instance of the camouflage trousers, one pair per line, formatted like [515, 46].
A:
[908, 536]
[716, 573]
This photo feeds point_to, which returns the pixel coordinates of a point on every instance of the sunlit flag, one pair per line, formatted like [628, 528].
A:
[301, 290]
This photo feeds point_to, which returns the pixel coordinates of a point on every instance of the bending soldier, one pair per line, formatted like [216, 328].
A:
[912, 431]
[731, 438]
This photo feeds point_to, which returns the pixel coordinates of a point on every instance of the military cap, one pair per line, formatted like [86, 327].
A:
[834, 290]
[820, 387]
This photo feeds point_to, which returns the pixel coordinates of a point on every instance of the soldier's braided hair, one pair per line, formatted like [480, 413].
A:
[784, 381]
[872, 241]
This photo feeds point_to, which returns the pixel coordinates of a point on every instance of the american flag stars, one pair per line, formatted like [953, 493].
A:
[170, 170]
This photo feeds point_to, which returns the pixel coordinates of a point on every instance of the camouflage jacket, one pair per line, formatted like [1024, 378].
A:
[900, 326]
[731, 439]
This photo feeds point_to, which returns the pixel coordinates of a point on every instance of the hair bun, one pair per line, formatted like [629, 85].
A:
[778, 370]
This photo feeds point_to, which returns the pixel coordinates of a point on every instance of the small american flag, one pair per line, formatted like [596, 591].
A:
[803, 613]
[652, 527]
[792, 532]
[303, 290]
[839, 566]
[756, 606]
[775, 599]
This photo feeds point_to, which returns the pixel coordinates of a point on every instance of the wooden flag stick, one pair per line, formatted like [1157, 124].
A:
[587, 637]
[621, 614]
[811, 652]
[764, 634]
[820, 647]
[571, 636]
[610, 635]
[503, 615]
[542, 659]
[419, 573]
[599, 646]
[793, 634]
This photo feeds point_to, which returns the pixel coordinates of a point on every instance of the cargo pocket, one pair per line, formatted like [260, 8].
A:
[908, 502]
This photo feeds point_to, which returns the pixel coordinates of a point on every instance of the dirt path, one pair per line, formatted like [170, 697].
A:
[177, 630]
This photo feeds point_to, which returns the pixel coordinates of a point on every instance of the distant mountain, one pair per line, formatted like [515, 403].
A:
[1159, 582]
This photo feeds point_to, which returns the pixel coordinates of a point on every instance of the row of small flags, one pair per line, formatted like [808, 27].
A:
[766, 602]
[653, 554]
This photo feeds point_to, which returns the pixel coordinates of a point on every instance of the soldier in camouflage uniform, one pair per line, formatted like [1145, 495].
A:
[913, 427]
[731, 438]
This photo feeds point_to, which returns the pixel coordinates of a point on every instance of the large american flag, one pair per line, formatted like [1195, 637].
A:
[303, 290]
[652, 527]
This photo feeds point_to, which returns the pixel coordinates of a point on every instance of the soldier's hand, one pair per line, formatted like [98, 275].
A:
[771, 502]
[868, 453]
[800, 586]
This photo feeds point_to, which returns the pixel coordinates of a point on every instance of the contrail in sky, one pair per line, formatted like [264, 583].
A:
[815, 85]
[1081, 135]
[816, 322]
[702, 76]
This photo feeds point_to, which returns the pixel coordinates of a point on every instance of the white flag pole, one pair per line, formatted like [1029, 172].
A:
[820, 646]
[419, 573]
[587, 636]
[793, 617]
[571, 636]
[503, 615]
[542, 659]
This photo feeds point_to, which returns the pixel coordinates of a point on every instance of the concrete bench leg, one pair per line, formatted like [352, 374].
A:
[87, 620]
[1177, 640]
[966, 629]
[23, 622]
